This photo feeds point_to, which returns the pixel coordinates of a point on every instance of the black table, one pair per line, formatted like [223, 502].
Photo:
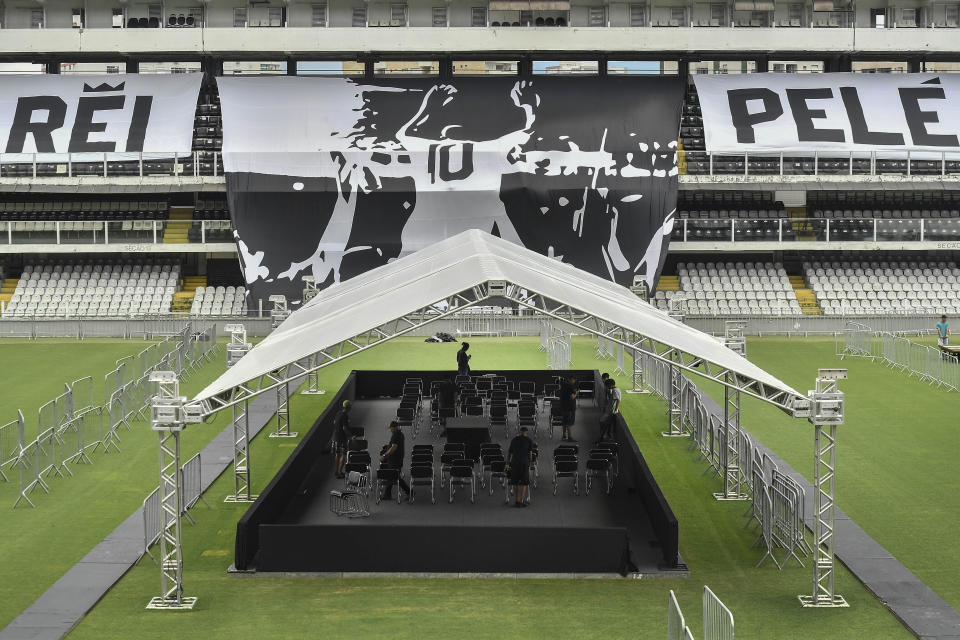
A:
[472, 431]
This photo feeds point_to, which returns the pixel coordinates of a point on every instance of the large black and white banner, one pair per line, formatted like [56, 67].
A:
[120, 115]
[831, 112]
[334, 176]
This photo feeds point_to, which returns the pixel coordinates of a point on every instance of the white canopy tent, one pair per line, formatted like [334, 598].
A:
[465, 270]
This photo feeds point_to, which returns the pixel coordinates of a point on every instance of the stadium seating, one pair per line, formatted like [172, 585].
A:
[888, 288]
[94, 290]
[733, 289]
[218, 301]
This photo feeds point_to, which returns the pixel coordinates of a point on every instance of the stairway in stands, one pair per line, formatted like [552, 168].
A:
[668, 283]
[178, 226]
[807, 299]
[183, 300]
[7, 288]
[801, 225]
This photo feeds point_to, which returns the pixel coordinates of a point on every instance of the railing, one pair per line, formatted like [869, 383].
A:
[815, 164]
[928, 364]
[125, 234]
[71, 425]
[111, 165]
[146, 327]
[945, 232]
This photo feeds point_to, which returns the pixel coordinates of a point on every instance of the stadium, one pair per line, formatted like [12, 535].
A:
[566, 318]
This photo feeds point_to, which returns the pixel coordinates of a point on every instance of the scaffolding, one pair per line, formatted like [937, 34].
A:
[238, 345]
[241, 455]
[826, 413]
[167, 418]
[283, 412]
[280, 311]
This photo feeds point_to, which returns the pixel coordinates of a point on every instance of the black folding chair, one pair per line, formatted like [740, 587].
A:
[498, 472]
[566, 467]
[461, 475]
[388, 477]
[498, 418]
[527, 416]
[598, 467]
[447, 461]
[421, 475]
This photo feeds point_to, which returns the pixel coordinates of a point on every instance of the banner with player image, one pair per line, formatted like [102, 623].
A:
[332, 177]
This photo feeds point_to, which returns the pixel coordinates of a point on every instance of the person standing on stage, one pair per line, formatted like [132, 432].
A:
[463, 360]
[392, 458]
[612, 397]
[341, 434]
[520, 456]
[568, 404]
[943, 331]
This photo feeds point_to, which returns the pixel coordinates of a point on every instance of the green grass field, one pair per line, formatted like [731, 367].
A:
[894, 479]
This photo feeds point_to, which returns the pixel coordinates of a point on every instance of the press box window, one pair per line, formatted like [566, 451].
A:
[678, 16]
[359, 16]
[318, 15]
[478, 17]
[439, 16]
[239, 17]
[398, 15]
[117, 20]
[638, 15]
[597, 17]
[77, 21]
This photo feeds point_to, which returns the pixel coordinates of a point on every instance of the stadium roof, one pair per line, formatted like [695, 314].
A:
[458, 272]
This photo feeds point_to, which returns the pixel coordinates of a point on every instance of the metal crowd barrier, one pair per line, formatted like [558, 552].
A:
[11, 444]
[676, 627]
[927, 363]
[717, 618]
[72, 424]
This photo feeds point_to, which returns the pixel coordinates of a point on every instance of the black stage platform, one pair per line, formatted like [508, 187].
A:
[291, 528]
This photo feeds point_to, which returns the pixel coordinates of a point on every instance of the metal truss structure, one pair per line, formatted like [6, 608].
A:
[583, 319]
[734, 480]
[283, 412]
[241, 454]
[167, 419]
[733, 337]
[313, 381]
[673, 400]
[631, 339]
[826, 413]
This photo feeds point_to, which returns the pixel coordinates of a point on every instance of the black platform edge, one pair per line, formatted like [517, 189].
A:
[378, 384]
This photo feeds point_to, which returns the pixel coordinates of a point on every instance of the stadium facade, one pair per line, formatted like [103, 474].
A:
[775, 218]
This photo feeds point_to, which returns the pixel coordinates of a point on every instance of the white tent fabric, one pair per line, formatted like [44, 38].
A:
[351, 308]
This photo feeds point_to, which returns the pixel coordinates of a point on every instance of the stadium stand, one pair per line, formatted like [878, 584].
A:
[733, 289]
[885, 288]
[88, 289]
[218, 301]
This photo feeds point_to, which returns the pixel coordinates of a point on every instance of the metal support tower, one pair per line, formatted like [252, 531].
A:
[310, 290]
[733, 476]
[241, 455]
[313, 379]
[280, 311]
[673, 398]
[283, 411]
[639, 375]
[238, 345]
[826, 413]
[168, 420]
[733, 337]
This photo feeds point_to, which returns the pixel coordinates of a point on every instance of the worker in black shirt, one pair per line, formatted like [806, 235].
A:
[342, 433]
[463, 360]
[520, 456]
[392, 458]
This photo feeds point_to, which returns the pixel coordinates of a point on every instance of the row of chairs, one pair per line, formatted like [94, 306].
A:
[602, 462]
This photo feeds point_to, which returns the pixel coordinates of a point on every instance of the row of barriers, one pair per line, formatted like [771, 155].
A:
[73, 424]
[192, 489]
[717, 619]
[558, 346]
[926, 363]
[777, 500]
